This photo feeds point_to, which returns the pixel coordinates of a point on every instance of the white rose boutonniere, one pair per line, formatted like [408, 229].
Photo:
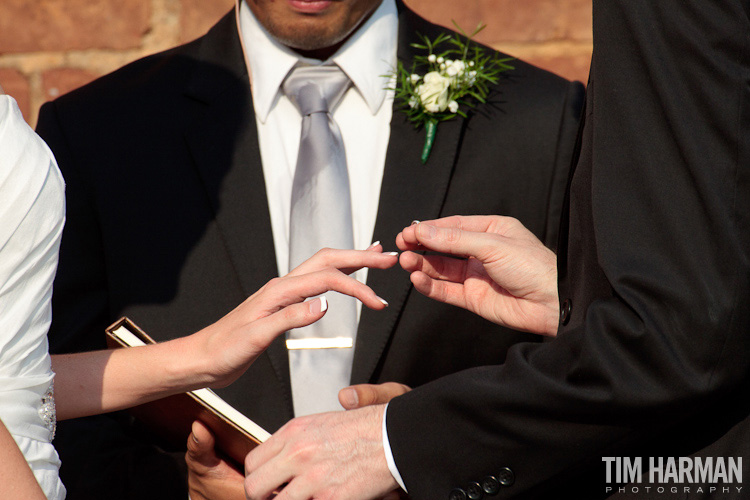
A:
[454, 77]
[433, 92]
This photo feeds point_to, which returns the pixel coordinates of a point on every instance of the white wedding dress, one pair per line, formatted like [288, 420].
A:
[32, 214]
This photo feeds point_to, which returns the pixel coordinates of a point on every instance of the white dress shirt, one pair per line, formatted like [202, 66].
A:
[363, 115]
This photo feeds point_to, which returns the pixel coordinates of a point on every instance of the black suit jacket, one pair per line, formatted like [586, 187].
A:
[168, 224]
[651, 358]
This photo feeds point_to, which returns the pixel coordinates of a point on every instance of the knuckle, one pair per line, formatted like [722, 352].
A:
[453, 235]
[336, 277]
[317, 476]
[338, 493]
[301, 452]
[455, 220]
[192, 446]
[325, 254]
[439, 266]
[393, 388]
[251, 488]
[329, 273]
[367, 395]
[439, 290]
[272, 284]
[327, 494]
[291, 314]
[295, 426]
[505, 224]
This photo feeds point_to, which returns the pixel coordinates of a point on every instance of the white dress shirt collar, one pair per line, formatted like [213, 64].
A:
[366, 57]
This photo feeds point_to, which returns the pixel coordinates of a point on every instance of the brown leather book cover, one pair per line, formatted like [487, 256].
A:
[172, 417]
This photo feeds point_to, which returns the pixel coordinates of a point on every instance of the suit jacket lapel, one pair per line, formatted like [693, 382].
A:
[410, 190]
[223, 140]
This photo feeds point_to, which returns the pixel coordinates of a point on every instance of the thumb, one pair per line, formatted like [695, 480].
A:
[200, 446]
[265, 330]
[359, 396]
[456, 241]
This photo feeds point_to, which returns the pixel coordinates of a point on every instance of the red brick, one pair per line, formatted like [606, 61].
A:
[466, 14]
[573, 67]
[511, 20]
[15, 84]
[197, 16]
[56, 25]
[577, 20]
[57, 82]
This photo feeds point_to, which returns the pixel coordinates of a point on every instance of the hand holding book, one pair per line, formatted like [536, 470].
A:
[212, 476]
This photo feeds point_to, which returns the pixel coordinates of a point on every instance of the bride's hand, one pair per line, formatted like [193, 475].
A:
[225, 349]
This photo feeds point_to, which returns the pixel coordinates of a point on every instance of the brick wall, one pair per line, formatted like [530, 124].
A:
[48, 47]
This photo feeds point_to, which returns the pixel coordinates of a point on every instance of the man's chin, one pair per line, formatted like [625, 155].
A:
[314, 26]
[309, 43]
[304, 37]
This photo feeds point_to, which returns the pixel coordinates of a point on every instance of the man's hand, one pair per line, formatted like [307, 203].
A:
[503, 273]
[210, 477]
[333, 456]
[359, 396]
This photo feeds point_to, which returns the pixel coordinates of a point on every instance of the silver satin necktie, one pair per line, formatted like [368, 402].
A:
[321, 216]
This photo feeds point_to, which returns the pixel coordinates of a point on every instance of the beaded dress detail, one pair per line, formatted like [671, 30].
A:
[47, 411]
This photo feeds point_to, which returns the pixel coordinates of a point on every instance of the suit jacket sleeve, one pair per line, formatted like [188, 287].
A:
[652, 358]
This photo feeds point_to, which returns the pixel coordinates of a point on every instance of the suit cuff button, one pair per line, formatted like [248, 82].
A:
[457, 494]
[474, 491]
[565, 309]
[490, 485]
[506, 477]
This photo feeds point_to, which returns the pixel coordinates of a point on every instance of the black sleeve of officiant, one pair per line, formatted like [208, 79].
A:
[651, 353]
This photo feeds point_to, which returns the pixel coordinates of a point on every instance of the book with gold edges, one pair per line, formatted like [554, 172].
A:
[172, 417]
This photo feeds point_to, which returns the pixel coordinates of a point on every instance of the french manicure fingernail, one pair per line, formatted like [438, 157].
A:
[391, 254]
[385, 302]
[318, 305]
[373, 245]
[414, 222]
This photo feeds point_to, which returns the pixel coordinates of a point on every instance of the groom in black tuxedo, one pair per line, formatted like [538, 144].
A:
[650, 365]
[170, 218]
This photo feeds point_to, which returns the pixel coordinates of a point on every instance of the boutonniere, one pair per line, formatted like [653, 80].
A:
[454, 74]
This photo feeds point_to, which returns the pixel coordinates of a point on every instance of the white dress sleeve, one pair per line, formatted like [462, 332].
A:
[32, 214]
